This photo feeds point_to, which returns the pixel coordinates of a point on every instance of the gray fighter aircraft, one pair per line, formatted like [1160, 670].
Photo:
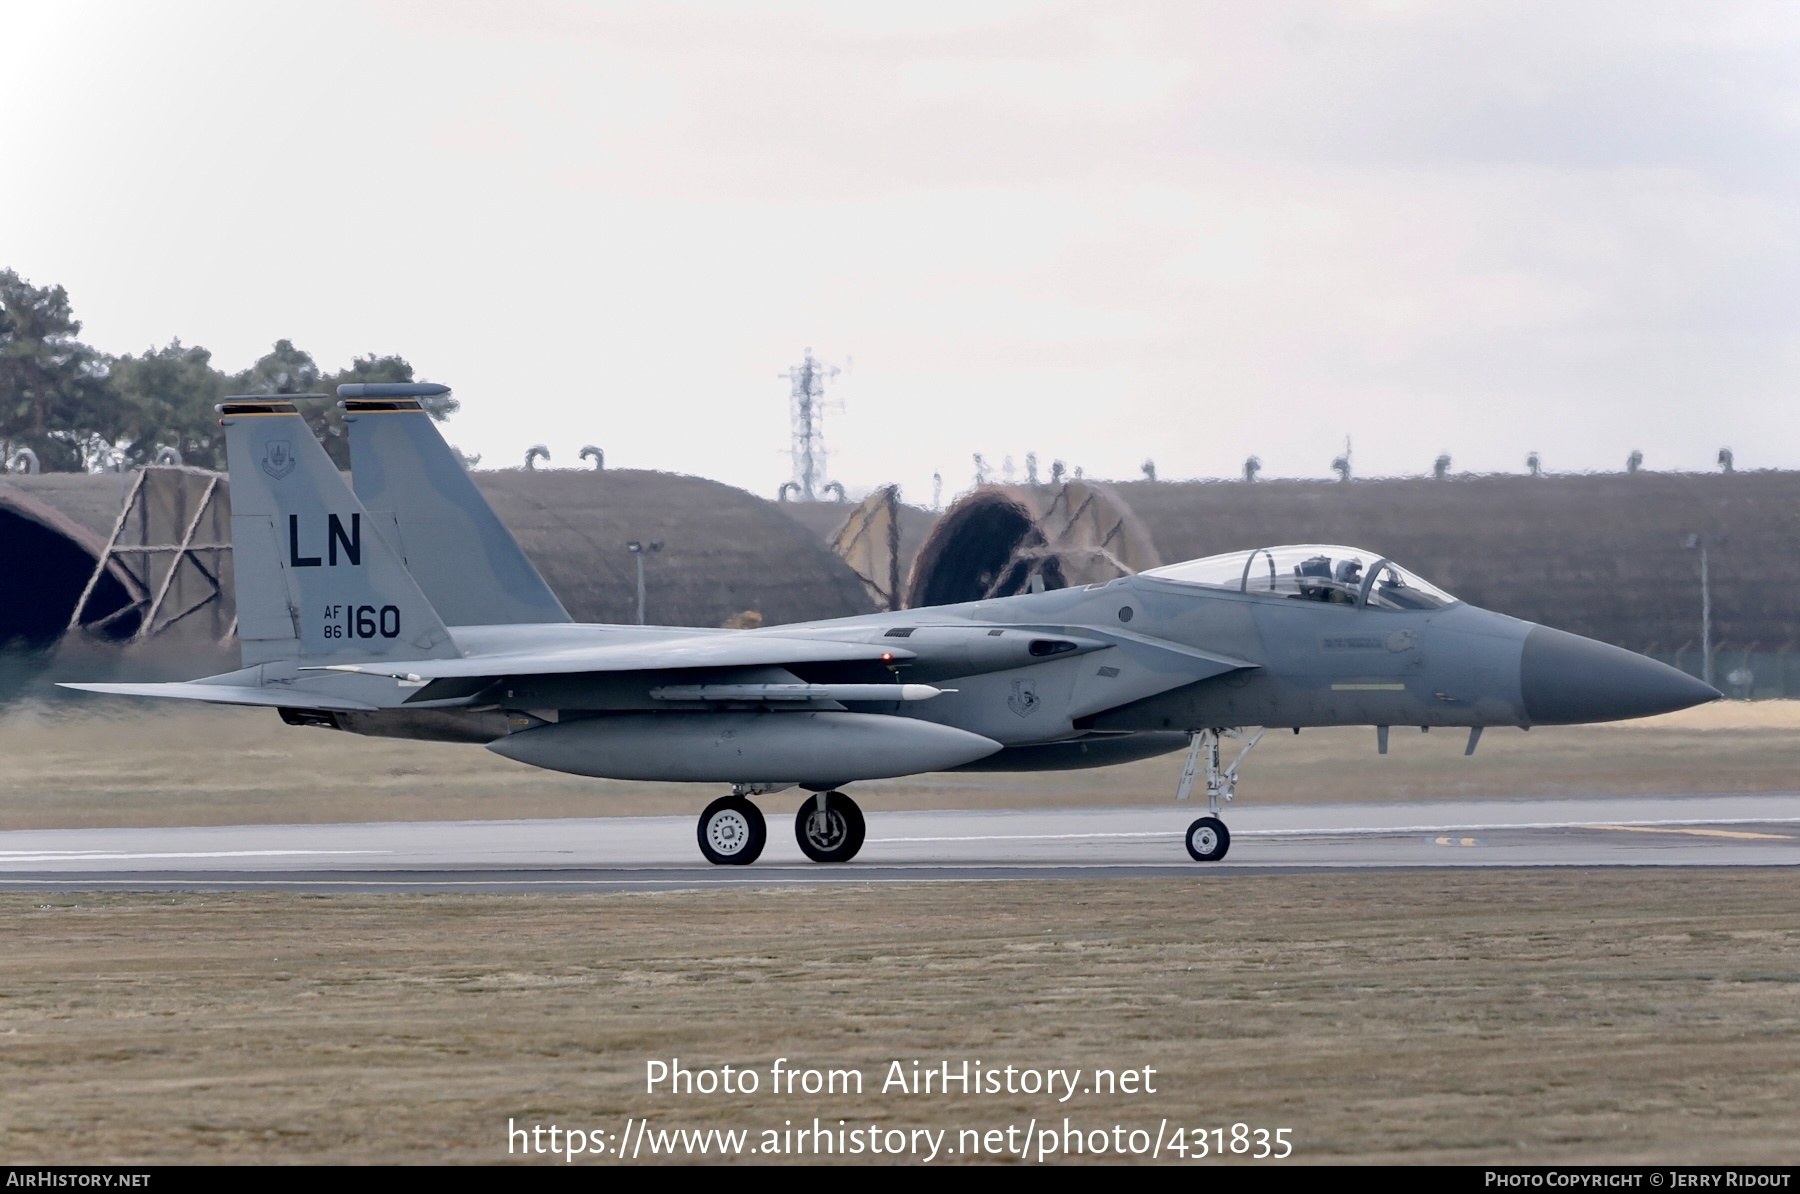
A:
[406, 609]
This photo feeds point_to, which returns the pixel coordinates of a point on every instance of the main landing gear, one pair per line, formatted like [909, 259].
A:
[1207, 838]
[829, 828]
[732, 832]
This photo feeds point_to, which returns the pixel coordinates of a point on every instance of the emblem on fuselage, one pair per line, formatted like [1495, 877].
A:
[1024, 698]
[278, 458]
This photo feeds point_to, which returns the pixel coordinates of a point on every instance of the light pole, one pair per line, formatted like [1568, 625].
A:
[1706, 659]
[638, 549]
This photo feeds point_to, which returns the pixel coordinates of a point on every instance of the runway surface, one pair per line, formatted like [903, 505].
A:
[614, 853]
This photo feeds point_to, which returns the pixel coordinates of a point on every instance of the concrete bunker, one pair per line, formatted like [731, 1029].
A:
[998, 541]
[988, 544]
[48, 560]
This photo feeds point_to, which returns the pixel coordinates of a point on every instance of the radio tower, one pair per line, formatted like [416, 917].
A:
[807, 403]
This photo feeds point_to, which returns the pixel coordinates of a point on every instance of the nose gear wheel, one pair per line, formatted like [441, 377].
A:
[1208, 840]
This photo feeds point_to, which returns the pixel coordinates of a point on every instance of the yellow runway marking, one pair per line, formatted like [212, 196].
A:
[1457, 841]
[1783, 837]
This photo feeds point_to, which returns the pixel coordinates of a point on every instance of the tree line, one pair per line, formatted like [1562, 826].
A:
[80, 410]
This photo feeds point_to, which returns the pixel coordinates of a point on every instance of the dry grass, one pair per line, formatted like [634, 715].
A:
[1616, 1016]
[122, 764]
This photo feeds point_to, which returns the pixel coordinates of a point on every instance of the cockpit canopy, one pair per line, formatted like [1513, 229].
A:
[1311, 572]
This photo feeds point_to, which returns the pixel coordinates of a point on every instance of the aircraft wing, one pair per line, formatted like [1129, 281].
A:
[708, 651]
[230, 694]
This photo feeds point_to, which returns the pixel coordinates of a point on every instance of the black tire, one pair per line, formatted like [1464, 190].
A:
[1208, 839]
[840, 836]
[732, 832]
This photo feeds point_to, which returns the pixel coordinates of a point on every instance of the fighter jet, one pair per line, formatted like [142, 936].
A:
[404, 608]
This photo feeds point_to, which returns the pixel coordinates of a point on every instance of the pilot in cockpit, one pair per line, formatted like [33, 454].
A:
[1317, 580]
[1312, 577]
[1349, 578]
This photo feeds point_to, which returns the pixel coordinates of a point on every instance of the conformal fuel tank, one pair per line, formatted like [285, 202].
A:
[802, 748]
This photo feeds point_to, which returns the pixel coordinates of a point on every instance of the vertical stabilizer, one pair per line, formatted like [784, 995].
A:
[465, 560]
[315, 580]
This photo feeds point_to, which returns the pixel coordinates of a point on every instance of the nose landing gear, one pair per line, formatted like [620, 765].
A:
[1207, 838]
[829, 828]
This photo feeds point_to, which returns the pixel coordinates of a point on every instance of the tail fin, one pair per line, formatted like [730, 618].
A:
[314, 581]
[465, 560]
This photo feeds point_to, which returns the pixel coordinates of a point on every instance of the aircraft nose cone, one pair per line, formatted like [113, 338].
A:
[1566, 679]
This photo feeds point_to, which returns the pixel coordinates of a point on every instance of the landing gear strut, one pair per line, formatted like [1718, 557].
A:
[732, 831]
[829, 828]
[1207, 838]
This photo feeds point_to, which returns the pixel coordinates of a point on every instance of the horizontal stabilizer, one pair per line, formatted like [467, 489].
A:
[708, 651]
[229, 694]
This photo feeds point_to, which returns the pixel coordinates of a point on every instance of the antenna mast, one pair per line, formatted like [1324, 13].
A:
[807, 407]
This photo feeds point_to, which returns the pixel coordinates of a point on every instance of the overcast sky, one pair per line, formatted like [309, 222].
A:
[1100, 232]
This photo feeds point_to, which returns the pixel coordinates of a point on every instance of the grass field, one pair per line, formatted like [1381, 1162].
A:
[123, 763]
[1526, 1016]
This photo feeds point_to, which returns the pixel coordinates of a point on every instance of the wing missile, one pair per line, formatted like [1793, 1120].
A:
[796, 692]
